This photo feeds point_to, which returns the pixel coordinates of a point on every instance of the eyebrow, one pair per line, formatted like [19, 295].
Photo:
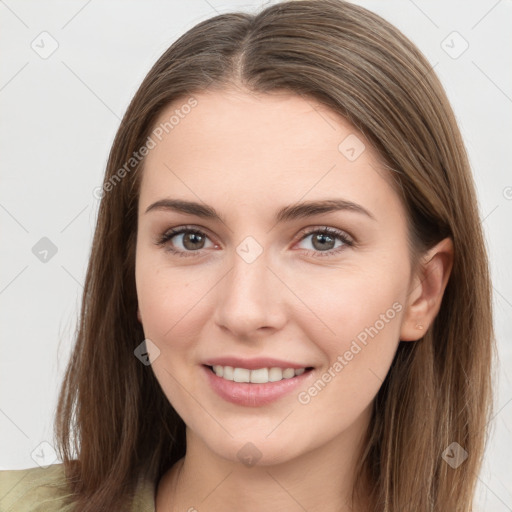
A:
[288, 213]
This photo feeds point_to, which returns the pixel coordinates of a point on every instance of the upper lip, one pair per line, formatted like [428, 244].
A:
[254, 363]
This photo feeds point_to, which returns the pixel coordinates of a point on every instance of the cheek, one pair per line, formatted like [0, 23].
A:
[357, 327]
[171, 302]
[365, 324]
[343, 306]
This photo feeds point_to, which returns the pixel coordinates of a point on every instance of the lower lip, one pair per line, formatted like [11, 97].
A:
[253, 395]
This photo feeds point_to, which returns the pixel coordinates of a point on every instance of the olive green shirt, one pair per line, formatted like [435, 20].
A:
[44, 490]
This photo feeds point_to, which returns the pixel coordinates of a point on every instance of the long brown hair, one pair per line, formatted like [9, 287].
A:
[112, 415]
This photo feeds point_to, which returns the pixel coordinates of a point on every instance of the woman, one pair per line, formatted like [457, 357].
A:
[287, 304]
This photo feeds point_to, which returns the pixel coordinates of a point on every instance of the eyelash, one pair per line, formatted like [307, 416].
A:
[168, 235]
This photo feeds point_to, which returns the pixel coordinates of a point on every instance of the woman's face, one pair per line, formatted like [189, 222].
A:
[293, 254]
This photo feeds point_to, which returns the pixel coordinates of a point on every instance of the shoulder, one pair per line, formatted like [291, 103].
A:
[34, 489]
[46, 490]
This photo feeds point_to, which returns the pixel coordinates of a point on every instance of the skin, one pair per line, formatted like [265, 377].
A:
[248, 155]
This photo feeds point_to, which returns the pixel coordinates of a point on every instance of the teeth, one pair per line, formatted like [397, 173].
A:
[288, 373]
[259, 376]
[241, 375]
[275, 374]
[227, 373]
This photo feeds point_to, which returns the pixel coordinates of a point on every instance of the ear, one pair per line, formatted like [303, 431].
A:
[426, 290]
[138, 315]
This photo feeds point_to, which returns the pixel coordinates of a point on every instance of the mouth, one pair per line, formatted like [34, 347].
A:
[257, 375]
[256, 387]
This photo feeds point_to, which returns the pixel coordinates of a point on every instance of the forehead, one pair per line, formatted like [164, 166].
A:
[264, 148]
[258, 124]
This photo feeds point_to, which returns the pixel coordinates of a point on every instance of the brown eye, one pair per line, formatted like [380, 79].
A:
[326, 241]
[193, 241]
[184, 240]
[323, 242]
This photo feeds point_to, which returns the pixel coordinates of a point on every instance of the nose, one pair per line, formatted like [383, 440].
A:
[250, 300]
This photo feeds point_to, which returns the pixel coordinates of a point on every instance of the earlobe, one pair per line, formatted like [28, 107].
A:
[427, 289]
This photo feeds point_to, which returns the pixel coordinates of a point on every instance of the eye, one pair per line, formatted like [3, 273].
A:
[188, 240]
[326, 241]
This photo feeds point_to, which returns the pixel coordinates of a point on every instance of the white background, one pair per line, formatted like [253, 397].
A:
[58, 119]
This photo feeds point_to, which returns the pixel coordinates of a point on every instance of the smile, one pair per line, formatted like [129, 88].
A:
[255, 387]
[256, 376]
